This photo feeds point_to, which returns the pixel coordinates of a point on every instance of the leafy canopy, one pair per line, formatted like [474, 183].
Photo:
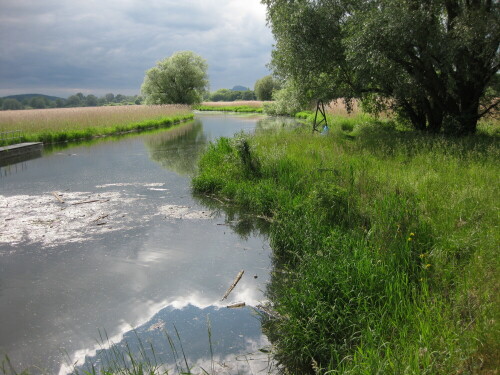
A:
[179, 79]
[431, 61]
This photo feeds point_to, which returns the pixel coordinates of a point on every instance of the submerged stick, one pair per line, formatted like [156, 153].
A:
[233, 284]
[92, 201]
[100, 218]
[236, 305]
[57, 196]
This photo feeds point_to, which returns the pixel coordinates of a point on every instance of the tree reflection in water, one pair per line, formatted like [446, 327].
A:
[178, 149]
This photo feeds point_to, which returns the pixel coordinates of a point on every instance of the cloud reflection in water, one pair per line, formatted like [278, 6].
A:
[235, 338]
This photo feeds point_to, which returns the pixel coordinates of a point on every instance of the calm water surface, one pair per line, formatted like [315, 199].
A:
[129, 253]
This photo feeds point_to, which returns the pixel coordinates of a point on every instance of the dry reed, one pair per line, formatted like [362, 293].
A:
[338, 108]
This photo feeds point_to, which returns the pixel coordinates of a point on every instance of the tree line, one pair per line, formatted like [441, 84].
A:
[77, 100]
[264, 89]
[183, 78]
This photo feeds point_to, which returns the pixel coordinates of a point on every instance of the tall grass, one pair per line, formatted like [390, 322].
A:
[385, 244]
[63, 124]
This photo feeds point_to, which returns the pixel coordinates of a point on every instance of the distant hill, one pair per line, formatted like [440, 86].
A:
[240, 88]
[21, 97]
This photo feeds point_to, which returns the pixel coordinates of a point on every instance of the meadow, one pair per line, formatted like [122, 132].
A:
[249, 106]
[237, 103]
[385, 244]
[63, 124]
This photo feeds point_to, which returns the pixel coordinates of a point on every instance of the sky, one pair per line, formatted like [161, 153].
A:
[61, 47]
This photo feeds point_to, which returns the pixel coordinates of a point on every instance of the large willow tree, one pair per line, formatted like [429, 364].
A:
[432, 62]
[179, 79]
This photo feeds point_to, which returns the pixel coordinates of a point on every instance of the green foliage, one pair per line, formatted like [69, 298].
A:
[91, 101]
[265, 87]
[287, 101]
[226, 95]
[179, 79]
[11, 104]
[429, 62]
[384, 244]
[28, 101]
[77, 100]
[38, 102]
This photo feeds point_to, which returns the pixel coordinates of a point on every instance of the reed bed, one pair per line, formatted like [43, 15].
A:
[338, 108]
[63, 124]
[56, 119]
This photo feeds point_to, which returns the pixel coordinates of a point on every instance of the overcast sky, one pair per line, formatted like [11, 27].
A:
[61, 47]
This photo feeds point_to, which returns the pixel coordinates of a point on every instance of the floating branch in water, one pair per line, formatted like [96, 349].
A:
[100, 218]
[236, 305]
[233, 284]
[91, 201]
[57, 196]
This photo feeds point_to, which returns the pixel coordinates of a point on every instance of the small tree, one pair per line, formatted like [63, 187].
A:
[179, 79]
[11, 104]
[74, 101]
[119, 98]
[110, 97]
[91, 101]
[264, 88]
[38, 102]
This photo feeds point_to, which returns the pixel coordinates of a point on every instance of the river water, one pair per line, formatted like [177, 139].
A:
[129, 257]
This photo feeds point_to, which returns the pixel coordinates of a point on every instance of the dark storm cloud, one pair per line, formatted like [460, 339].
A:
[96, 46]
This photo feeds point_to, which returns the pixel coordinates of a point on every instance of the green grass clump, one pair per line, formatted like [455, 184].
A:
[385, 244]
[230, 108]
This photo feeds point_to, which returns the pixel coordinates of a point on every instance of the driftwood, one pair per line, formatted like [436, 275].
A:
[100, 218]
[92, 201]
[238, 278]
[236, 305]
[57, 196]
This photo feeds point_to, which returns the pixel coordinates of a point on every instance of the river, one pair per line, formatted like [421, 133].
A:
[104, 243]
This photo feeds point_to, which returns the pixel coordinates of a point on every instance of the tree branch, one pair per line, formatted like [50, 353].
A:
[486, 110]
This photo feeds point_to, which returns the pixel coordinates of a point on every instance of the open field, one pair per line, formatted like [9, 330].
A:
[60, 124]
[385, 244]
[248, 103]
[252, 106]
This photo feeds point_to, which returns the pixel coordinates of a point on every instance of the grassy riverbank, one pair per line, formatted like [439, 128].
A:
[253, 106]
[385, 244]
[69, 124]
